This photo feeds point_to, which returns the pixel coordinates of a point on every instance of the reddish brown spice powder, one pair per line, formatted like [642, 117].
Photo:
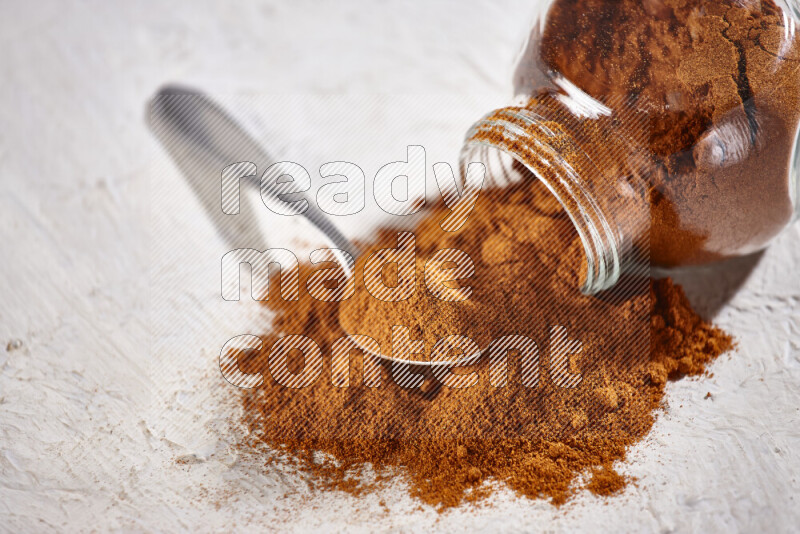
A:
[455, 445]
[716, 85]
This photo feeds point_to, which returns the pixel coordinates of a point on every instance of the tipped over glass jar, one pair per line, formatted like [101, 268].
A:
[667, 129]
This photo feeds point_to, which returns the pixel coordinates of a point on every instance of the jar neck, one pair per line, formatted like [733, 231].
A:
[557, 147]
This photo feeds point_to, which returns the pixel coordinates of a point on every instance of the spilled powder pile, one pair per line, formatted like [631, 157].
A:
[452, 445]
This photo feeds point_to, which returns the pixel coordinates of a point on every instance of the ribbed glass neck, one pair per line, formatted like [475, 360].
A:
[552, 154]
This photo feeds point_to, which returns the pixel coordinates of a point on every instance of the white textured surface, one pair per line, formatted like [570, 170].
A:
[83, 441]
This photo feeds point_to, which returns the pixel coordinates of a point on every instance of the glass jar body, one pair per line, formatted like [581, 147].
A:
[705, 96]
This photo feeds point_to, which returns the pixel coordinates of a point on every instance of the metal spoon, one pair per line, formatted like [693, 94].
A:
[192, 127]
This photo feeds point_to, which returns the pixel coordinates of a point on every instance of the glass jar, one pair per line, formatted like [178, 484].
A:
[667, 129]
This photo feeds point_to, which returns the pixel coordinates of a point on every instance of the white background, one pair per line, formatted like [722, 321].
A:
[89, 434]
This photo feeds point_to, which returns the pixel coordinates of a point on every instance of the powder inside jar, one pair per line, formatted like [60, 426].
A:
[718, 86]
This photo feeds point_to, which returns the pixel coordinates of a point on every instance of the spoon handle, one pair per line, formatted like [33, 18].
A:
[192, 122]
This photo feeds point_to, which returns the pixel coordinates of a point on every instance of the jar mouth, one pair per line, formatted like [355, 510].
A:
[528, 146]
